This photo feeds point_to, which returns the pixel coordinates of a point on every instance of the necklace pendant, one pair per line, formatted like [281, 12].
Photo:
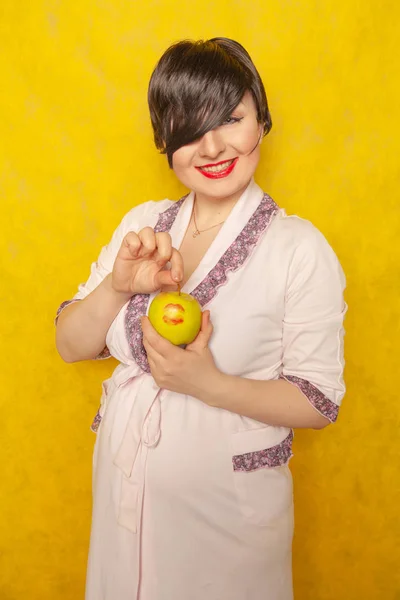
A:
[196, 232]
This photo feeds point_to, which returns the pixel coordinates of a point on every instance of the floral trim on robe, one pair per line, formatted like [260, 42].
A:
[238, 252]
[319, 401]
[96, 422]
[276, 456]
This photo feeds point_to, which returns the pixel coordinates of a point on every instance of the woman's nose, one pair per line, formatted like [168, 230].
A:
[211, 144]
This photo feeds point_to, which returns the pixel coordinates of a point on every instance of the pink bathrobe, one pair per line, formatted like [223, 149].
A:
[193, 502]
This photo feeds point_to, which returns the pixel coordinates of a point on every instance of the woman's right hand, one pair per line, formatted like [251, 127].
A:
[140, 264]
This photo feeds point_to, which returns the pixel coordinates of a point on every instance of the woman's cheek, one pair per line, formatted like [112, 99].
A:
[246, 141]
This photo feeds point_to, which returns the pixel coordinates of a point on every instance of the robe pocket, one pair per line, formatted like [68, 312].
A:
[262, 479]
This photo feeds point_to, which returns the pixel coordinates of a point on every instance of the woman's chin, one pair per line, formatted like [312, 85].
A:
[220, 189]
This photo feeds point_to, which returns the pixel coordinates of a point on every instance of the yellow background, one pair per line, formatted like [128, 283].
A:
[76, 154]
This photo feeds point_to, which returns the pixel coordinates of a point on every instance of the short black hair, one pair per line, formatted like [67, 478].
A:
[195, 87]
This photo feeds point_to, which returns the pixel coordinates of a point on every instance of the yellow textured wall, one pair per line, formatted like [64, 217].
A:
[76, 153]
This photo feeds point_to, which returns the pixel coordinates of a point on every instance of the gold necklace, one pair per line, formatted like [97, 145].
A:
[198, 231]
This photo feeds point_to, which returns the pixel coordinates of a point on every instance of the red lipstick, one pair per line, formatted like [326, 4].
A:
[220, 174]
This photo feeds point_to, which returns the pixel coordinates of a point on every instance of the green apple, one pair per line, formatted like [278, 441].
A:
[176, 316]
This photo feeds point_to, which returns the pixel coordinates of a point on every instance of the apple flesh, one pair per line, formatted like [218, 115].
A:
[176, 316]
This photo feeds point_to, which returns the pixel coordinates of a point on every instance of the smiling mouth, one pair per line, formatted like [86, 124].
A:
[217, 168]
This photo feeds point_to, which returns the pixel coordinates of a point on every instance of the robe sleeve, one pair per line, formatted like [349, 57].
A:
[104, 266]
[313, 357]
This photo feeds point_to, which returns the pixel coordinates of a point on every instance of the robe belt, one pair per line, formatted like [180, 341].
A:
[143, 430]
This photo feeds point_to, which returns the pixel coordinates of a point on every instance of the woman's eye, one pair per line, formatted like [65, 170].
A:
[232, 120]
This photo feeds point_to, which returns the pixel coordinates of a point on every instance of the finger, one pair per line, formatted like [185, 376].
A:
[174, 274]
[205, 333]
[176, 265]
[153, 365]
[151, 353]
[130, 246]
[164, 278]
[164, 247]
[206, 326]
[148, 241]
[156, 342]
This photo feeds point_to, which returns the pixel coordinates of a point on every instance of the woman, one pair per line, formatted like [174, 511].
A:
[192, 490]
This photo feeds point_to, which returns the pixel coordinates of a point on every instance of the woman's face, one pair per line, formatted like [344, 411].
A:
[222, 162]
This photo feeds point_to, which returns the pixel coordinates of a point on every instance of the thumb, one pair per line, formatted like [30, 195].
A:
[163, 277]
[205, 333]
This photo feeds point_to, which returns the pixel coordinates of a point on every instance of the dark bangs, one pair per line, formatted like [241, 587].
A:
[196, 86]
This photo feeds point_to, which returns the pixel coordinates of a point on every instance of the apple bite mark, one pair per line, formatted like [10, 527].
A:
[174, 314]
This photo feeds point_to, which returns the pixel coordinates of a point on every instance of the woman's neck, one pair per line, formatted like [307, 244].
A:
[210, 209]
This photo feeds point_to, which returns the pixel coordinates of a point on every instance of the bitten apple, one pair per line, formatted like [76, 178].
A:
[176, 316]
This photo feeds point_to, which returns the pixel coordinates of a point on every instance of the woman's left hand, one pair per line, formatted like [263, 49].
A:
[191, 371]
